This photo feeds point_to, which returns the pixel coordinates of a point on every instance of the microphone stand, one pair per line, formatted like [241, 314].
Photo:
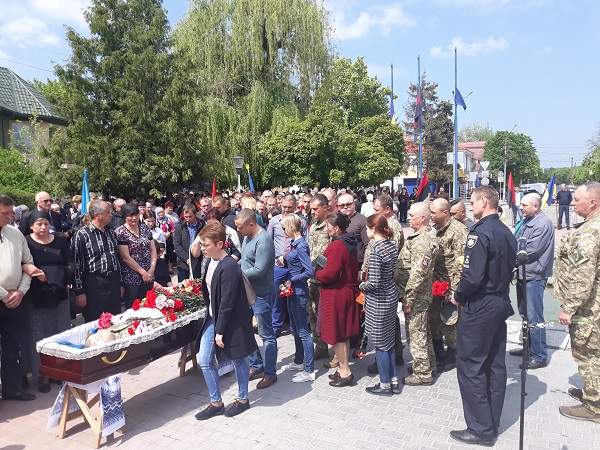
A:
[522, 262]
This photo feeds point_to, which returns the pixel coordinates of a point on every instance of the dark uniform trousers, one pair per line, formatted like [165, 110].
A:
[103, 293]
[481, 365]
[13, 326]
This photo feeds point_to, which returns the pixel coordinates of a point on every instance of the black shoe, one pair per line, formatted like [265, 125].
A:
[373, 369]
[44, 388]
[450, 362]
[256, 374]
[576, 393]
[342, 382]
[210, 411]
[396, 387]
[535, 364]
[516, 352]
[378, 390]
[468, 437]
[19, 397]
[237, 407]
[334, 376]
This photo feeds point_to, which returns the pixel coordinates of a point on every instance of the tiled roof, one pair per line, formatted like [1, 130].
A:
[21, 98]
[476, 148]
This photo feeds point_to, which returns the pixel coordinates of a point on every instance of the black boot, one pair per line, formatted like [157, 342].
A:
[450, 362]
[440, 353]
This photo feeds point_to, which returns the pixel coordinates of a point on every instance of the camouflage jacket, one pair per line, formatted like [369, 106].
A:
[577, 270]
[448, 264]
[398, 239]
[414, 273]
[317, 239]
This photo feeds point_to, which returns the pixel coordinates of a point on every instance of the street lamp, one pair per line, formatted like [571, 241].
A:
[238, 164]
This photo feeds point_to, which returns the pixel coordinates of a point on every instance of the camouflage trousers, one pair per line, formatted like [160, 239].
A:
[585, 345]
[440, 330]
[420, 344]
[314, 295]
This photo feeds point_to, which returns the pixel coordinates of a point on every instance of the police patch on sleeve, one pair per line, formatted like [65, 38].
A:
[425, 262]
[472, 240]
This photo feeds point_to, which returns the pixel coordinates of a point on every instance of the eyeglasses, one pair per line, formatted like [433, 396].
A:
[344, 205]
[48, 200]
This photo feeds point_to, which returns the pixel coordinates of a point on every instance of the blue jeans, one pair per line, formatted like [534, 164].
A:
[262, 309]
[302, 338]
[517, 215]
[207, 363]
[535, 315]
[279, 306]
[386, 363]
[563, 210]
[182, 274]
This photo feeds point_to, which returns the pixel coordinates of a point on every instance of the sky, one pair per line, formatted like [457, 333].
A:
[530, 63]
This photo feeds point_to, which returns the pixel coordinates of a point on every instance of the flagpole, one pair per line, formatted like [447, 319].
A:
[455, 187]
[392, 114]
[420, 165]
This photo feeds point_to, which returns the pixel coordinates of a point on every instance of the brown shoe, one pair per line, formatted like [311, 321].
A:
[576, 393]
[255, 374]
[413, 380]
[579, 412]
[266, 382]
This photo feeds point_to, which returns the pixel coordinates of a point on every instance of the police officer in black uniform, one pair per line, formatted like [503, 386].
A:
[490, 256]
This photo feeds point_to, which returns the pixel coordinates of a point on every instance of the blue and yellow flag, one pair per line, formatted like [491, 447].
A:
[550, 194]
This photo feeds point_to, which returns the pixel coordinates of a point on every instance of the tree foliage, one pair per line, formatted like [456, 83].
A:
[438, 130]
[476, 132]
[521, 156]
[345, 140]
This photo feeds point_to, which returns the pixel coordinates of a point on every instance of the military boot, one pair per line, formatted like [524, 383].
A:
[579, 412]
[576, 393]
[414, 380]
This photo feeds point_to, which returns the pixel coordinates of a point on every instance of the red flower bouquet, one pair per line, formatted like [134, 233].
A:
[104, 321]
[440, 288]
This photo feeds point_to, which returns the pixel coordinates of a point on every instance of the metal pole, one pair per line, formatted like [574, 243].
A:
[239, 186]
[505, 159]
[420, 168]
[455, 187]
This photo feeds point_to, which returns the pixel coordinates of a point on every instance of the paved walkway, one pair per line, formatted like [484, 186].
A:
[160, 408]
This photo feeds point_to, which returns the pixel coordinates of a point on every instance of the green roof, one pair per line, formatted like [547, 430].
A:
[21, 98]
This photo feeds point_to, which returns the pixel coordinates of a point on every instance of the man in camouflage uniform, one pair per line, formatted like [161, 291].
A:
[452, 236]
[385, 205]
[415, 275]
[577, 287]
[317, 242]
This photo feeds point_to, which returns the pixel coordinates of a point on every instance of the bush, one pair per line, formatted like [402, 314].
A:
[17, 173]
[19, 196]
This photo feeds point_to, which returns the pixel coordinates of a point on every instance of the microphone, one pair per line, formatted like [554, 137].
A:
[522, 256]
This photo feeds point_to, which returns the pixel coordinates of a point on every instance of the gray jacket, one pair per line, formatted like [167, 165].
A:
[539, 233]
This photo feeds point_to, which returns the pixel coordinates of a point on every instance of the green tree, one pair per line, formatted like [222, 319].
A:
[18, 178]
[111, 90]
[521, 156]
[438, 131]
[236, 63]
[476, 132]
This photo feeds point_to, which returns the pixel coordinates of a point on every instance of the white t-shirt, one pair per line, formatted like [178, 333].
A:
[210, 270]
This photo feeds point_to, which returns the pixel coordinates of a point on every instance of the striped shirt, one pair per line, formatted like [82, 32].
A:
[94, 252]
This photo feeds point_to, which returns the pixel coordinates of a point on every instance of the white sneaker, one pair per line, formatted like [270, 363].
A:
[293, 367]
[304, 377]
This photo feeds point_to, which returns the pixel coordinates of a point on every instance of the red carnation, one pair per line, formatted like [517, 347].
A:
[137, 304]
[151, 295]
[131, 331]
[172, 317]
[178, 305]
[440, 288]
[105, 320]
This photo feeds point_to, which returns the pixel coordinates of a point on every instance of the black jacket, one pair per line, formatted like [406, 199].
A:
[490, 257]
[232, 314]
[564, 198]
[181, 245]
[60, 224]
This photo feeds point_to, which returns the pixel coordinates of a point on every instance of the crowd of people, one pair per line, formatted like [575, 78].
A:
[310, 264]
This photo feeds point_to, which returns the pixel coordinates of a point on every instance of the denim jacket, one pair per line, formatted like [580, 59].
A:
[299, 266]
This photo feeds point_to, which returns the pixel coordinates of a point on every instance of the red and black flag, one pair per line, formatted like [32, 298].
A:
[419, 112]
[423, 189]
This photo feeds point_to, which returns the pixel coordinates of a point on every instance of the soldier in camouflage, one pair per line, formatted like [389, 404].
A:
[317, 242]
[577, 286]
[385, 205]
[452, 237]
[415, 275]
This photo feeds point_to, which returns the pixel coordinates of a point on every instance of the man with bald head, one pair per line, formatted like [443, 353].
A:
[332, 199]
[117, 218]
[535, 235]
[448, 267]
[458, 211]
[414, 276]
[358, 224]
[577, 287]
[43, 202]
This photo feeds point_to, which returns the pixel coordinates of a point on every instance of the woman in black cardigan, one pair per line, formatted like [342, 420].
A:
[227, 331]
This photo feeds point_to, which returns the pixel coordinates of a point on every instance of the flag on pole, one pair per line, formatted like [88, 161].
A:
[423, 189]
[511, 190]
[419, 112]
[213, 192]
[459, 100]
[550, 194]
[250, 182]
[85, 193]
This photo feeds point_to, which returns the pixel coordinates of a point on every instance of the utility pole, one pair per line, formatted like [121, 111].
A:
[505, 160]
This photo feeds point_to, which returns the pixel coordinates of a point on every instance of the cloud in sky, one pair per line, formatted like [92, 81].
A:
[475, 48]
[27, 30]
[63, 11]
[382, 18]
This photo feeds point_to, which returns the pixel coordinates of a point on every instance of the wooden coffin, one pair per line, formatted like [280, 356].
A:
[86, 371]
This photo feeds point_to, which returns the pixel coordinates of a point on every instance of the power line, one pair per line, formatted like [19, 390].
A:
[27, 65]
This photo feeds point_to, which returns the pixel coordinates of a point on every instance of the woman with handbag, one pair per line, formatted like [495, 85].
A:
[49, 310]
[227, 330]
[381, 303]
[339, 314]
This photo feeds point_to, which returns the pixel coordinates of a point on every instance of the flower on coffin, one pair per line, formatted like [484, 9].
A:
[105, 321]
[137, 304]
[161, 301]
[178, 305]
